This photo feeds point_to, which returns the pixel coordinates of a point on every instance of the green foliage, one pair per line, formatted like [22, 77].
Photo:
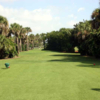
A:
[7, 47]
[85, 35]
[60, 40]
[38, 39]
[94, 45]
[24, 47]
[91, 46]
[4, 26]
[15, 29]
[28, 29]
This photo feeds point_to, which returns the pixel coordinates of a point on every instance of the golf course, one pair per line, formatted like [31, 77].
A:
[48, 75]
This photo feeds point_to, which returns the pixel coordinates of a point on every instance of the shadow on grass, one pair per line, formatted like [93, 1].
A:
[92, 66]
[58, 51]
[96, 89]
[50, 50]
[4, 68]
[76, 57]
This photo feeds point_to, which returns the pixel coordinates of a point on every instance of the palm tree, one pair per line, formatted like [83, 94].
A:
[31, 39]
[28, 29]
[4, 26]
[43, 36]
[16, 29]
[96, 18]
[22, 37]
[83, 29]
[7, 47]
[38, 40]
[9, 32]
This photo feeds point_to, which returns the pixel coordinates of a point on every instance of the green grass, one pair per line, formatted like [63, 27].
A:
[46, 75]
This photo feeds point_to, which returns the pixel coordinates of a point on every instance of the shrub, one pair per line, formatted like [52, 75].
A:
[7, 48]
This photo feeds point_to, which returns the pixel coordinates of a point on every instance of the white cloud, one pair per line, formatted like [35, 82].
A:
[80, 9]
[55, 9]
[7, 0]
[72, 16]
[40, 20]
[72, 23]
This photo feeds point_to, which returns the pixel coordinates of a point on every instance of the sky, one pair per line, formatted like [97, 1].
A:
[44, 16]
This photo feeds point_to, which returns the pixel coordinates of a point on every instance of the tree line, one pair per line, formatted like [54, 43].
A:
[85, 35]
[10, 46]
[15, 38]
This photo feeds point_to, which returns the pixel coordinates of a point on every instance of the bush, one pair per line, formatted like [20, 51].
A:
[7, 48]
[91, 45]
[60, 41]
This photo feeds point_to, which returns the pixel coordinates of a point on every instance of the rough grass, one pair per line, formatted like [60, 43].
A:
[46, 75]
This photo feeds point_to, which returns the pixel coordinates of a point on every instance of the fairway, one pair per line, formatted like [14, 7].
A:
[47, 75]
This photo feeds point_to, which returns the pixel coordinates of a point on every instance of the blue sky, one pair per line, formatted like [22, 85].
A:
[47, 15]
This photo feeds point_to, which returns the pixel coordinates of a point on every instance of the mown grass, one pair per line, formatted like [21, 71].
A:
[46, 75]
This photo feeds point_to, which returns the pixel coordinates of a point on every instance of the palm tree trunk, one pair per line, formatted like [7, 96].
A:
[17, 47]
[20, 45]
[9, 35]
[1, 31]
[44, 43]
[23, 43]
[27, 42]
[32, 44]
